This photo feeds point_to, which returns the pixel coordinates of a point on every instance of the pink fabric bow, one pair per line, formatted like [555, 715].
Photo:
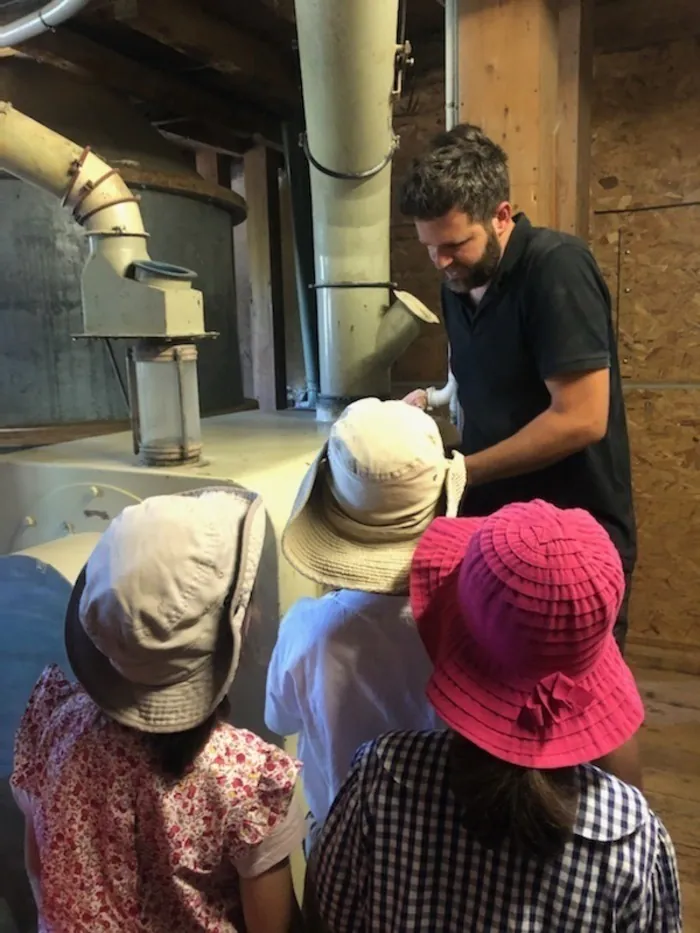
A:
[552, 696]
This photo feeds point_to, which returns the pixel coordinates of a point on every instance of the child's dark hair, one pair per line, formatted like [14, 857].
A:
[175, 752]
[534, 810]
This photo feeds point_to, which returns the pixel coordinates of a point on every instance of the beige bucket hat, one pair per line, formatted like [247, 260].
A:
[368, 496]
[154, 624]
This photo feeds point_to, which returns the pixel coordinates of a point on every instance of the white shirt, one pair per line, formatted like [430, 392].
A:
[346, 668]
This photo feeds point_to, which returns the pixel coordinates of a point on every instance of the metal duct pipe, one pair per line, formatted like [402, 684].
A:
[96, 194]
[33, 24]
[300, 188]
[348, 52]
[124, 293]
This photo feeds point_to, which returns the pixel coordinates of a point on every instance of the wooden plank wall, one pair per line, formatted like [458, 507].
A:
[646, 236]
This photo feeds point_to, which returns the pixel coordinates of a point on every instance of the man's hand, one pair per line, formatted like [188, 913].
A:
[418, 398]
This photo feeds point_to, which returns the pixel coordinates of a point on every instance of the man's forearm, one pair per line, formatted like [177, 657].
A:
[549, 437]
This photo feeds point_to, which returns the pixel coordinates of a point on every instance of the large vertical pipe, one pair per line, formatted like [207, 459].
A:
[347, 51]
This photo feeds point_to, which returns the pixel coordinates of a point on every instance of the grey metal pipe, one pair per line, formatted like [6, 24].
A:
[302, 224]
[33, 24]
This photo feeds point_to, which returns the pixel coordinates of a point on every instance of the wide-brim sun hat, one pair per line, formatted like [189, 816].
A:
[368, 496]
[516, 611]
[153, 629]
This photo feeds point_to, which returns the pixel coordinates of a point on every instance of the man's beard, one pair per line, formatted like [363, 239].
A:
[467, 278]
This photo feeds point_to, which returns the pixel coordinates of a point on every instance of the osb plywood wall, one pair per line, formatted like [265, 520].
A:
[646, 235]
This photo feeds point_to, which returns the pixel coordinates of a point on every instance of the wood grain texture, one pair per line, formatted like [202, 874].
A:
[664, 605]
[646, 137]
[571, 211]
[605, 241]
[659, 310]
[664, 430]
[508, 63]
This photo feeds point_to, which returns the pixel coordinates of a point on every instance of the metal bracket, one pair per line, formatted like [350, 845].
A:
[349, 176]
[390, 285]
[404, 57]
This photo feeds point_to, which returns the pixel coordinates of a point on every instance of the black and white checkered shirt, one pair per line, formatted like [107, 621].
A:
[394, 858]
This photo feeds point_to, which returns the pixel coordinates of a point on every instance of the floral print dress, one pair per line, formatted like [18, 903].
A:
[121, 848]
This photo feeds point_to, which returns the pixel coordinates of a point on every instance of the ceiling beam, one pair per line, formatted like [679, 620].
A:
[67, 50]
[183, 26]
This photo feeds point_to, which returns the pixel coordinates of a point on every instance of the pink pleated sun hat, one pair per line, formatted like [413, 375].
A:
[516, 612]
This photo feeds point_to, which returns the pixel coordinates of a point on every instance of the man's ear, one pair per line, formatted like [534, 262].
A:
[502, 217]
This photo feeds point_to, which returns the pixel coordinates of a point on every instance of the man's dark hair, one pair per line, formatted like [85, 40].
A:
[464, 170]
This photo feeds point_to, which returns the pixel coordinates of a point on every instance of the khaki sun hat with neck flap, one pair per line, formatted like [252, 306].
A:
[155, 621]
[371, 492]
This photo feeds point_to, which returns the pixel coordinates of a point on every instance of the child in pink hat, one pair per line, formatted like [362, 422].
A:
[500, 824]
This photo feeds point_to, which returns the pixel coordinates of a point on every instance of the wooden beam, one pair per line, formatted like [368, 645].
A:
[508, 85]
[214, 167]
[192, 134]
[95, 62]
[265, 257]
[624, 25]
[214, 42]
[573, 135]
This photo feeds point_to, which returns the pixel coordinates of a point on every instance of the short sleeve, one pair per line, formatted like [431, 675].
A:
[663, 898]
[262, 805]
[285, 838]
[282, 714]
[49, 692]
[567, 313]
[338, 872]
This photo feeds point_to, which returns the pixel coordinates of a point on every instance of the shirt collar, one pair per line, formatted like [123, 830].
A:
[609, 810]
[516, 245]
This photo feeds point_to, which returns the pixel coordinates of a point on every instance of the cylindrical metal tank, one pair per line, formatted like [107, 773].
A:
[45, 376]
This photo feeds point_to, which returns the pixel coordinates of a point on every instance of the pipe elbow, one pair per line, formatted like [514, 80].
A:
[100, 200]
[438, 398]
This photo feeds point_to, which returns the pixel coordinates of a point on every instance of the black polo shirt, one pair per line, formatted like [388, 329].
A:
[545, 314]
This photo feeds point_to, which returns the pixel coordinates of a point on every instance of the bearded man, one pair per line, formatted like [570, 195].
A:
[532, 345]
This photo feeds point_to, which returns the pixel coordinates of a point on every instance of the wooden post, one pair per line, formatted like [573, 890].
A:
[573, 140]
[213, 166]
[261, 166]
[512, 54]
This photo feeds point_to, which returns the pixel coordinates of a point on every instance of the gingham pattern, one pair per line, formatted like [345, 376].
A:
[393, 857]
